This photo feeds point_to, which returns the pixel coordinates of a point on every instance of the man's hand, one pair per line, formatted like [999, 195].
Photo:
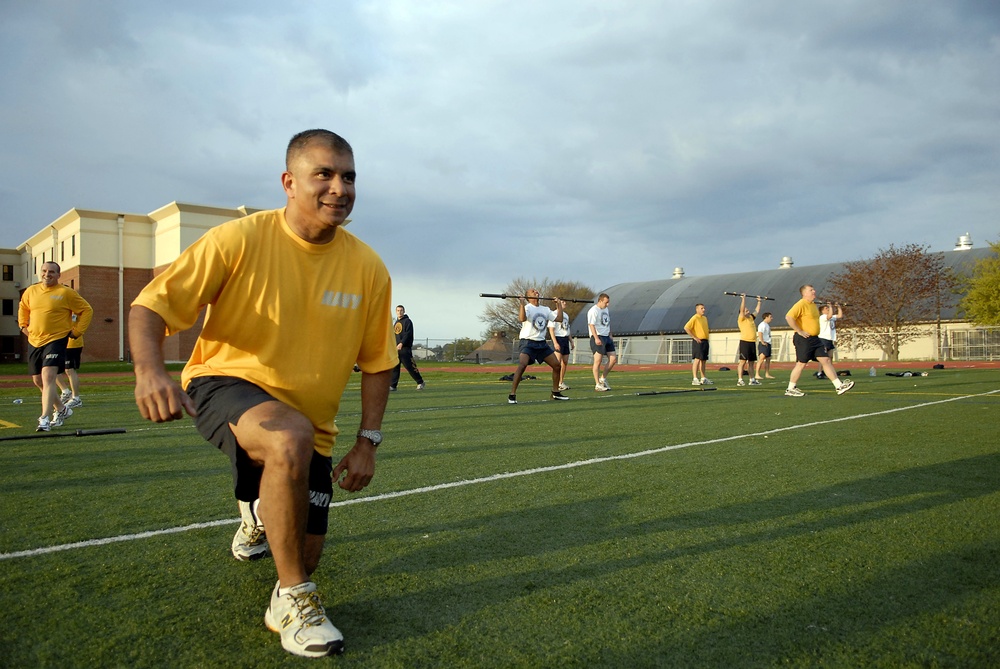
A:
[359, 465]
[160, 398]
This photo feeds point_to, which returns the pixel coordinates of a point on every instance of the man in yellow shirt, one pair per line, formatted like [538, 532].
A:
[697, 329]
[51, 314]
[294, 300]
[748, 340]
[803, 318]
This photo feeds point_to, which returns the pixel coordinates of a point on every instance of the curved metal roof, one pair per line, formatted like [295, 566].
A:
[664, 306]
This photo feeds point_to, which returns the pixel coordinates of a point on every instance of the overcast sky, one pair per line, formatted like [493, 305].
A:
[599, 142]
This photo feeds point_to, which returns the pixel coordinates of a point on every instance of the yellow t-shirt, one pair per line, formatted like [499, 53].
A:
[48, 313]
[289, 316]
[807, 315]
[748, 332]
[698, 325]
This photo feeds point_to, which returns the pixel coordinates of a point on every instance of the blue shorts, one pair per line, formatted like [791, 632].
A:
[562, 345]
[606, 347]
[764, 350]
[221, 400]
[537, 351]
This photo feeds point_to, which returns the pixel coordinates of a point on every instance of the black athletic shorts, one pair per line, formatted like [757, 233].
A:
[52, 354]
[73, 357]
[808, 349]
[748, 350]
[562, 345]
[221, 400]
[699, 350]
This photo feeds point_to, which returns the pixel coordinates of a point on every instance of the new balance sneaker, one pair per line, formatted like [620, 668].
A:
[65, 395]
[559, 396]
[73, 403]
[299, 617]
[511, 399]
[44, 424]
[250, 541]
[755, 382]
[707, 382]
[563, 386]
[421, 386]
[604, 382]
[847, 385]
[59, 416]
[740, 383]
[793, 392]
[601, 388]
[695, 382]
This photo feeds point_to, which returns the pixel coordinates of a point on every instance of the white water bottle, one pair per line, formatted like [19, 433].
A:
[871, 371]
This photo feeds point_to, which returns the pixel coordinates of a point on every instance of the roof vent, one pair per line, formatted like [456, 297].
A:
[964, 242]
[786, 262]
[678, 272]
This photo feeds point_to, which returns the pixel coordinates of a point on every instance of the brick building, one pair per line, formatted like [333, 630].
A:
[108, 257]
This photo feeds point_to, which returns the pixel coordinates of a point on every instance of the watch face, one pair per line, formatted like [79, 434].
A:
[374, 436]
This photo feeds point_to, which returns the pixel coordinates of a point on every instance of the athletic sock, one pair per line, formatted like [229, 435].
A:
[791, 386]
[837, 383]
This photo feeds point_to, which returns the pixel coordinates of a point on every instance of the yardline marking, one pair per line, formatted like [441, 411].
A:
[485, 479]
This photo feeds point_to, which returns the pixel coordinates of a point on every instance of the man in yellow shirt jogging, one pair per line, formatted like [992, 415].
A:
[294, 300]
[803, 318]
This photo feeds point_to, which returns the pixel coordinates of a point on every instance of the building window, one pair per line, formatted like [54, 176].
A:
[8, 307]
[8, 272]
[72, 284]
[62, 251]
[72, 246]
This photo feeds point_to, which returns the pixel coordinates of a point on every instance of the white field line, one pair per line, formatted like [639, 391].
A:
[486, 479]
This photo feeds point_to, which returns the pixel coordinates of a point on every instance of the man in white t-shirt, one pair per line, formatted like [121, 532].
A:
[563, 345]
[764, 347]
[535, 321]
[601, 342]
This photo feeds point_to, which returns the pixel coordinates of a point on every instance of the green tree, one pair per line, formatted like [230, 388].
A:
[982, 298]
[502, 315]
[892, 297]
[459, 348]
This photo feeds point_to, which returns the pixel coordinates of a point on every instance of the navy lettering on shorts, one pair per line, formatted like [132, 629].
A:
[52, 354]
[221, 400]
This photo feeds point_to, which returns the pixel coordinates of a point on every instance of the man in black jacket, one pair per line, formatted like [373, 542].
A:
[403, 327]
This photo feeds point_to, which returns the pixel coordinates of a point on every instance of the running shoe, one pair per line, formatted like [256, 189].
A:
[755, 382]
[511, 399]
[421, 386]
[695, 382]
[604, 382]
[59, 416]
[299, 617]
[794, 392]
[44, 424]
[65, 395]
[563, 386]
[73, 403]
[707, 382]
[559, 396]
[250, 540]
[847, 385]
[740, 383]
[601, 389]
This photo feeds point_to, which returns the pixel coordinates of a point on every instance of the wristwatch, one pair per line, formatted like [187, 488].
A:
[374, 436]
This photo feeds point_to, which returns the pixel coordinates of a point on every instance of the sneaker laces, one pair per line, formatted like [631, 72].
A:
[310, 609]
[253, 533]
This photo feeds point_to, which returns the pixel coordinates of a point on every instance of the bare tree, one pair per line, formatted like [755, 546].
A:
[501, 315]
[891, 296]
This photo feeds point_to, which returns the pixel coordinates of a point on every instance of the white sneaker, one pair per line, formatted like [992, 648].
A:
[695, 382]
[755, 382]
[563, 386]
[300, 618]
[59, 416]
[707, 382]
[44, 424]
[794, 392]
[847, 385]
[604, 382]
[601, 389]
[740, 383]
[250, 541]
[421, 386]
[65, 395]
[73, 403]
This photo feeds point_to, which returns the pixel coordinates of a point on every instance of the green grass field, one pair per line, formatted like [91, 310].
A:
[734, 528]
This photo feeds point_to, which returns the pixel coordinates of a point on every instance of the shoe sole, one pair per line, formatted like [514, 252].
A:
[324, 650]
[253, 556]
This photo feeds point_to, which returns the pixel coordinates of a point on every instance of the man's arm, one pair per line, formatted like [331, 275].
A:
[157, 395]
[359, 463]
[793, 323]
